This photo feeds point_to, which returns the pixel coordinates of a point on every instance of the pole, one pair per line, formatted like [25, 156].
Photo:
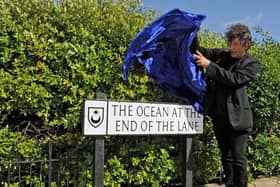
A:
[187, 171]
[50, 163]
[99, 154]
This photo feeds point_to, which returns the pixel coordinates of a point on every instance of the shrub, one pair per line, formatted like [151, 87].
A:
[264, 151]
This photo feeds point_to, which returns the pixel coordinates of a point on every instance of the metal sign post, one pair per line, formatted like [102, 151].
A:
[99, 154]
[187, 170]
[99, 162]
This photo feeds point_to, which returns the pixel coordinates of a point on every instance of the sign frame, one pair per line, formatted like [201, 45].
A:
[140, 118]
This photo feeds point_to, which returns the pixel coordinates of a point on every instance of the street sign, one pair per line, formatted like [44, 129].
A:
[102, 117]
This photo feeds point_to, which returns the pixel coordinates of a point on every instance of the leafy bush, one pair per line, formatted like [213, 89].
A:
[206, 156]
[154, 168]
[264, 92]
[53, 56]
[141, 161]
[15, 147]
[264, 154]
[115, 173]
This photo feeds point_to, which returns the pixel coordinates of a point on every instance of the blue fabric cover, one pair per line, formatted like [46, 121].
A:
[163, 48]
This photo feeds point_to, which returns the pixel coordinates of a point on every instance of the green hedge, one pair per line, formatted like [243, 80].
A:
[53, 56]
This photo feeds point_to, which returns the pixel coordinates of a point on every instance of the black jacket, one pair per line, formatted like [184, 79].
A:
[235, 79]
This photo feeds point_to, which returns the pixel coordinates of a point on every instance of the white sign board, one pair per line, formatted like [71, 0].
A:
[135, 118]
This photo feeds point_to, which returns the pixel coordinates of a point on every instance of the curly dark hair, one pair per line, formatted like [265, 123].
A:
[240, 31]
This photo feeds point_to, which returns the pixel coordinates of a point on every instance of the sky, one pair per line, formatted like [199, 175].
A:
[221, 13]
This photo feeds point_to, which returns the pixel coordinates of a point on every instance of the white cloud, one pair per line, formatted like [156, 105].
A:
[251, 21]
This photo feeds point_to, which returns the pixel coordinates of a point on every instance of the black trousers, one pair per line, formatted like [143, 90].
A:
[233, 146]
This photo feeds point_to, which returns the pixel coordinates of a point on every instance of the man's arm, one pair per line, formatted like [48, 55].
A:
[248, 72]
[243, 75]
[213, 54]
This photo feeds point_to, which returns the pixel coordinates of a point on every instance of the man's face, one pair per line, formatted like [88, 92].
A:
[237, 50]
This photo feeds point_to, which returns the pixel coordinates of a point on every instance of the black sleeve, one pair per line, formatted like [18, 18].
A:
[213, 54]
[242, 76]
[194, 45]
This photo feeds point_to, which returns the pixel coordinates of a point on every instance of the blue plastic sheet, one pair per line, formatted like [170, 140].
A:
[163, 48]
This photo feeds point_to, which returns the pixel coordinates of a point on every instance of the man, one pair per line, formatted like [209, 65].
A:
[228, 73]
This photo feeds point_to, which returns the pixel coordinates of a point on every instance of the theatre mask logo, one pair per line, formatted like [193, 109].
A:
[95, 116]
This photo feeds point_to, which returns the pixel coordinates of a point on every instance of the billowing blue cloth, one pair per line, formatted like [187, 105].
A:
[163, 48]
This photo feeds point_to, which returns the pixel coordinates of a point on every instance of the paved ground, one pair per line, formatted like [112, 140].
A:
[260, 182]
